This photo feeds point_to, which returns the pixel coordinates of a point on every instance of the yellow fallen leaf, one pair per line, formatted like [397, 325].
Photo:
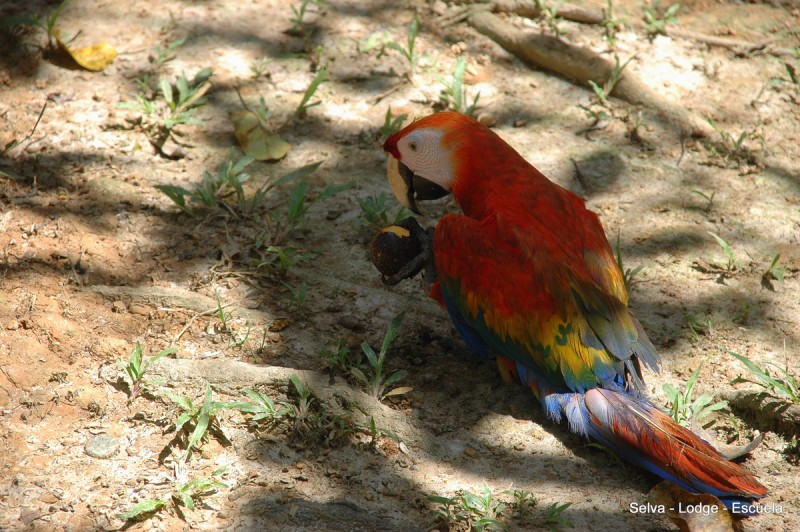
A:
[398, 391]
[255, 140]
[94, 58]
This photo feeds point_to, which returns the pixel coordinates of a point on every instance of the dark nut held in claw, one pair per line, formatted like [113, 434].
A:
[392, 248]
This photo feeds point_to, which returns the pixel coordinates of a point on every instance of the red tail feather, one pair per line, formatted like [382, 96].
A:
[660, 443]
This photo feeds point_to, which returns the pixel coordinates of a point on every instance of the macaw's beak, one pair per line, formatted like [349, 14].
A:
[409, 187]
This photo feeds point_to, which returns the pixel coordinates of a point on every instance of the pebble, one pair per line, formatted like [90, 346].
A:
[102, 446]
[141, 310]
[487, 120]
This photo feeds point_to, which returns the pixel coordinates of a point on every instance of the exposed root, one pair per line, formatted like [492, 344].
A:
[597, 16]
[770, 413]
[168, 298]
[232, 376]
[582, 65]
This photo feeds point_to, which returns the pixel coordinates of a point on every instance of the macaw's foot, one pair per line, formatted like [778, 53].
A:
[402, 251]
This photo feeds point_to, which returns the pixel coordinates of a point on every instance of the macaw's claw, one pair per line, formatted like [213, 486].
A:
[402, 251]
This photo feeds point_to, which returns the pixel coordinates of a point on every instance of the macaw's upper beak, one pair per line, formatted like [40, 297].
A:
[409, 187]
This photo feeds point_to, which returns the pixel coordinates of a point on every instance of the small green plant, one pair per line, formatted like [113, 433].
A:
[338, 357]
[684, 409]
[549, 13]
[298, 294]
[699, 326]
[319, 78]
[299, 13]
[46, 23]
[730, 264]
[376, 40]
[258, 69]
[786, 387]
[377, 382]
[409, 52]
[284, 258]
[553, 518]
[731, 147]
[375, 212]
[215, 189]
[600, 108]
[376, 431]
[262, 407]
[144, 510]
[224, 327]
[178, 103]
[523, 501]
[656, 24]
[164, 54]
[709, 199]
[604, 92]
[304, 399]
[791, 83]
[475, 511]
[743, 315]
[222, 316]
[202, 417]
[611, 24]
[137, 367]
[13, 143]
[198, 488]
[297, 207]
[184, 495]
[627, 274]
[773, 273]
[279, 226]
[454, 94]
[309, 419]
[392, 124]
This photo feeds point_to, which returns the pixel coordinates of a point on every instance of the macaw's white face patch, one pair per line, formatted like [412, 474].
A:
[424, 171]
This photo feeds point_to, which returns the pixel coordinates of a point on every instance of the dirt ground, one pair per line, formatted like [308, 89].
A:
[95, 259]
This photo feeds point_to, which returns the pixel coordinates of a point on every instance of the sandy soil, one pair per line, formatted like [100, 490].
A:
[95, 258]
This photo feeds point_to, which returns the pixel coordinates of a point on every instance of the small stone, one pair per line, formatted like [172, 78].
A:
[118, 306]
[102, 446]
[487, 119]
[48, 498]
[140, 310]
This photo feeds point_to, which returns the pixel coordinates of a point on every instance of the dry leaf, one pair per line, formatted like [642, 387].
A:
[399, 391]
[255, 140]
[94, 58]
[692, 512]
[277, 325]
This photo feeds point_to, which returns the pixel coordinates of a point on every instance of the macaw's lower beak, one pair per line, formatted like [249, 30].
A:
[409, 187]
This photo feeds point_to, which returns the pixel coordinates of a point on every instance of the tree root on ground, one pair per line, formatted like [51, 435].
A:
[232, 376]
[166, 297]
[770, 413]
[597, 16]
[583, 65]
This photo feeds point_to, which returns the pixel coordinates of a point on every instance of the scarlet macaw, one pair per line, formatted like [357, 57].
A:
[529, 278]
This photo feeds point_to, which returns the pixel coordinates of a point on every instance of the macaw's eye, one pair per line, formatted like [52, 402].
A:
[412, 146]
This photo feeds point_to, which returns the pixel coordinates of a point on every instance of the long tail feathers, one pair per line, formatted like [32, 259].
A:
[645, 436]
